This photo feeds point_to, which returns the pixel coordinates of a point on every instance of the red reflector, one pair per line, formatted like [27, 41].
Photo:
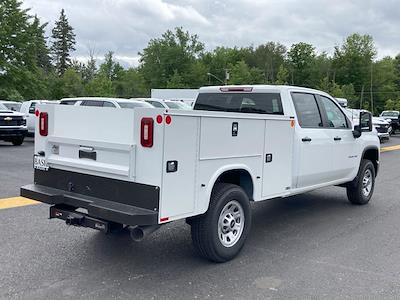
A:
[37, 113]
[168, 120]
[236, 89]
[159, 119]
[43, 123]
[146, 132]
[164, 219]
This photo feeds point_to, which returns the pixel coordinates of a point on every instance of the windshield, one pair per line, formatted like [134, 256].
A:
[132, 105]
[3, 107]
[177, 105]
[390, 114]
[13, 106]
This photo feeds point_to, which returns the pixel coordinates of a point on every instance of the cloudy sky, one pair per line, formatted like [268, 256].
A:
[126, 26]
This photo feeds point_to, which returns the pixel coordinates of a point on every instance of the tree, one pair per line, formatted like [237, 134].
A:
[41, 51]
[241, 73]
[174, 51]
[268, 58]
[301, 57]
[131, 84]
[283, 75]
[72, 84]
[110, 68]
[20, 72]
[100, 86]
[218, 61]
[352, 62]
[63, 43]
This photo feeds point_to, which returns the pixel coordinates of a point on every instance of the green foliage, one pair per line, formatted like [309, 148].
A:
[172, 54]
[178, 59]
[283, 75]
[301, 58]
[63, 43]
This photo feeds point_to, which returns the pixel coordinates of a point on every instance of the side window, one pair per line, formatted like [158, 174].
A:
[307, 110]
[32, 108]
[108, 104]
[334, 116]
[92, 103]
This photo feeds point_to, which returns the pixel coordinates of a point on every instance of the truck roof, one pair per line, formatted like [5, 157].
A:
[255, 88]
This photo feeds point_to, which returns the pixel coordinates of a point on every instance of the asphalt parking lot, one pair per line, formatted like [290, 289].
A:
[312, 246]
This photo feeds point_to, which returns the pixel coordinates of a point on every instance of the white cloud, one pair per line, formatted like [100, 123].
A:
[126, 26]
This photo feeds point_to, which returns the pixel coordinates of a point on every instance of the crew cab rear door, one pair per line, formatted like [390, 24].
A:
[313, 142]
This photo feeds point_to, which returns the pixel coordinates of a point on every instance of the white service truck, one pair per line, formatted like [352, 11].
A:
[137, 169]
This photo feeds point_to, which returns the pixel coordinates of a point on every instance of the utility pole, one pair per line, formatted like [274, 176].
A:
[227, 76]
[372, 94]
[362, 96]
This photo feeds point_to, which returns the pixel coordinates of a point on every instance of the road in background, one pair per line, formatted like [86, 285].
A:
[314, 245]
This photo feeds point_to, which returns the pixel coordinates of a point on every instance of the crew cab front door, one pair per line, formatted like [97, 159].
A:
[313, 143]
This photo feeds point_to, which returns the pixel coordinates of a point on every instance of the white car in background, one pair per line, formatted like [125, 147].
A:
[12, 105]
[105, 102]
[168, 104]
[28, 108]
[382, 127]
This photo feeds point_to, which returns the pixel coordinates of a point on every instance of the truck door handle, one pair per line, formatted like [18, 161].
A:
[306, 139]
[87, 152]
[337, 138]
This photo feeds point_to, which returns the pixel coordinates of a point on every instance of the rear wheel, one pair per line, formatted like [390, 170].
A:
[17, 141]
[221, 232]
[361, 189]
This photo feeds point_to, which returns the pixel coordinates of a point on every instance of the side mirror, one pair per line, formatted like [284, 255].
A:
[365, 124]
[365, 121]
[357, 131]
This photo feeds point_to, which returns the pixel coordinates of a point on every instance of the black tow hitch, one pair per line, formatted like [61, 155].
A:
[74, 218]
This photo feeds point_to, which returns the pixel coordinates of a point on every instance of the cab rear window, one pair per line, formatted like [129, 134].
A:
[258, 103]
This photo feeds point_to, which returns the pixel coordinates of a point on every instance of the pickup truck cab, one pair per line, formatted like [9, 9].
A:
[28, 108]
[240, 144]
[12, 126]
[12, 105]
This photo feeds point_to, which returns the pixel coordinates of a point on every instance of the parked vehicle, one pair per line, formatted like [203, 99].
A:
[168, 104]
[382, 127]
[342, 102]
[393, 117]
[105, 102]
[240, 144]
[12, 126]
[12, 105]
[28, 108]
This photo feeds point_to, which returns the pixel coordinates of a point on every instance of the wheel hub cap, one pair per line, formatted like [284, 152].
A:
[231, 223]
[367, 183]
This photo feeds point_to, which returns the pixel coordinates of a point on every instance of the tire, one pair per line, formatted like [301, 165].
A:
[213, 234]
[361, 189]
[18, 141]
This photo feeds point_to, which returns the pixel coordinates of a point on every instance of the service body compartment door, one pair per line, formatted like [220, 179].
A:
[180, 149]
[278, 158]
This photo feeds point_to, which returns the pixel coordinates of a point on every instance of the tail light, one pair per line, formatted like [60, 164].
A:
[146, 132]
[43, 123]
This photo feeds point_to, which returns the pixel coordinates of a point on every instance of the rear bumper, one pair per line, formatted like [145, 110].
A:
[107, 199]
